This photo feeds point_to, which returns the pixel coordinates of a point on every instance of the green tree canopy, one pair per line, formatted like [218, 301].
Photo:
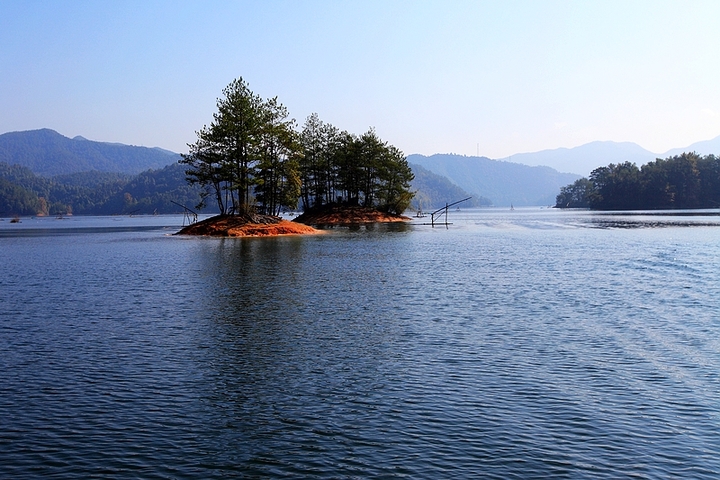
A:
[251, 155]
[681, 181]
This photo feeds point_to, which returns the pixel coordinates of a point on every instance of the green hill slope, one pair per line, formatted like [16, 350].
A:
[95, 193]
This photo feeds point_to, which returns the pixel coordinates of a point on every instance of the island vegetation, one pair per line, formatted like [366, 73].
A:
[682, 181]
[252, 159]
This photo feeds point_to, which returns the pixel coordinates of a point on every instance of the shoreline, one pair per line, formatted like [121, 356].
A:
[251, 225]
[246, 226]
[335, 215]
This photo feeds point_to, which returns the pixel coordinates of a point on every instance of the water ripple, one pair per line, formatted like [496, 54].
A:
[540, 348]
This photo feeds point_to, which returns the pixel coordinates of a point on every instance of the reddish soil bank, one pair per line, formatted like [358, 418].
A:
[246, 226]
[347, 216]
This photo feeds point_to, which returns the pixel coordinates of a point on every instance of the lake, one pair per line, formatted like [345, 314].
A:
[531, 343]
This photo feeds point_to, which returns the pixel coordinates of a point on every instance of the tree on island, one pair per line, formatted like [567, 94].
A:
[681, 181]
[251, 157]
[341, 168]
[249, 148]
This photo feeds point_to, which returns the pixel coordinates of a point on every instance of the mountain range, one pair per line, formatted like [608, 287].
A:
[522, 179]
[504, 183]
[584, 159]
[435, 191]
[48, 153]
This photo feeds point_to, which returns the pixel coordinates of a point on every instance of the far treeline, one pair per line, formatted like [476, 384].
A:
[252, 157]
[22, 192]
[682, 181]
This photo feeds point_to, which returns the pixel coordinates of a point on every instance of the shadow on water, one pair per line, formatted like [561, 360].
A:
[295, 352]
[250, 298]
[625, 224]
[655, 219]
[48, 232]
[369, 227]
[664, 213]
[595, 219]
[523, 344]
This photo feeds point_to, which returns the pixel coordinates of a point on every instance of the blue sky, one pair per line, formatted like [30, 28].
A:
[498, 77]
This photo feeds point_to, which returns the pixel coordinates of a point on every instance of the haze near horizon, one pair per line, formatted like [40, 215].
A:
[465, 77]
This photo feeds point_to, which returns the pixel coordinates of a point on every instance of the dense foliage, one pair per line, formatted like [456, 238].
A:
[682, 181]
[153, 191]
[16, 200]
[94, 193]
[251, 156]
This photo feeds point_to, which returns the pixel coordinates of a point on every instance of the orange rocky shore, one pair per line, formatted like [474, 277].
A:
[246, 226]
[250, 225]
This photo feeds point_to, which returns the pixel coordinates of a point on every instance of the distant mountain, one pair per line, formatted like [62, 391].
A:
[48, 153]
[584, 159]
[504, 183]
[526, 179]
[706, 147]
[434, 191]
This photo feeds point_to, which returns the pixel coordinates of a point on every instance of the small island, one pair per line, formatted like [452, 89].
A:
[347, 215]
[246, 226]
[256, 225]
[254, 163]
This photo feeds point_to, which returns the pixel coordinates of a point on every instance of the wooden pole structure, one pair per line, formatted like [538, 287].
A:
[189, 214]
[432, 215]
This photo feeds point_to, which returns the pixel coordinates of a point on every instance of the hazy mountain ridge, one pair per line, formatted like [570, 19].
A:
[434, 191]
[521, 179]
[585, 158]
[49, 153]
[63, 171]
[504, 183]
[705, 147]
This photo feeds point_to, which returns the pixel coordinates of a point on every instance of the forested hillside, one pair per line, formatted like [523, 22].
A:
[43, 172]
[154, 191]
[94, 193]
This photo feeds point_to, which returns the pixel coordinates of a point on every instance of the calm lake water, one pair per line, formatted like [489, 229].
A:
[531, 343]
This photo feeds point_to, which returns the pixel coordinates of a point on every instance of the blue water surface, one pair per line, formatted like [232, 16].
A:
[508, 344]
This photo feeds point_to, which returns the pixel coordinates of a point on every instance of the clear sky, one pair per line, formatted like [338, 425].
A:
[498, 77]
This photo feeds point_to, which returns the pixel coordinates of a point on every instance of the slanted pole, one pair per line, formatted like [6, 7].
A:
[189, 214]
[432, 215]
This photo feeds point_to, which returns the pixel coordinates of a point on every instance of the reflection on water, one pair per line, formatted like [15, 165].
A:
[656, 219]
[646, 223]
[548, 218]
[525, 343]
